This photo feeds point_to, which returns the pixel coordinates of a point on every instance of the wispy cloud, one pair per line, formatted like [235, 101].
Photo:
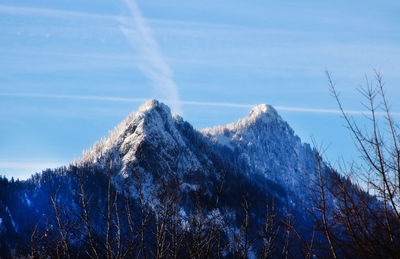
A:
[59, 13]
[286, 108]
[24, 10]
[193, 103]
[220, 104]
[75, 97]
[313, 110]
[155, 67]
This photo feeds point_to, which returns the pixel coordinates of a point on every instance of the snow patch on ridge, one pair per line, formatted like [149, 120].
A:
[260, 109]
[267, 145]
[152, 104]
[151, 129]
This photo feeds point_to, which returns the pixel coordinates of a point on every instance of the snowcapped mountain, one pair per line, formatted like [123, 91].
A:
[147, 140]
[152, 141]
[266, 145]
[258, 156]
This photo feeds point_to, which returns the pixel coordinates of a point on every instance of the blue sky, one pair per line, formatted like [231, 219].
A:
[72, 70]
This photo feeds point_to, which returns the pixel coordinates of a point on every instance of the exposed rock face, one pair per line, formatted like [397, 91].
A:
[155, 142]
[266, 145]
[147, 141]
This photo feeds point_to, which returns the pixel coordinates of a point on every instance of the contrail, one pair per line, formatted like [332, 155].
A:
[76, 97]
[193, 103]
[287, 108]
[153, 65]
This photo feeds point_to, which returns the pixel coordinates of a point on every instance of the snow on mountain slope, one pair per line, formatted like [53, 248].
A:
[268, 146]
[152, 140]
[147, 140]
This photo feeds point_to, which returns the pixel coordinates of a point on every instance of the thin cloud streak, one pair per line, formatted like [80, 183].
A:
[156, 68]
[75, 97]
[287, 108]
[194, 103]
[23, 10]
[57, 13]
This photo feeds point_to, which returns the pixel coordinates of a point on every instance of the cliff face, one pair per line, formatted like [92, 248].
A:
[155, 142]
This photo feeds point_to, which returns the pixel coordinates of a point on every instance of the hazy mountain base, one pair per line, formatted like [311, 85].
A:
[215, 185]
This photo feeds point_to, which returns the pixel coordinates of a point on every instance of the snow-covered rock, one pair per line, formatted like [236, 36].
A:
[265, 144]
[147, 140]
[154, 143]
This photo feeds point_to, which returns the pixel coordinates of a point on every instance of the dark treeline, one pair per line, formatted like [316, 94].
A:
[87, 216]
[84, 216]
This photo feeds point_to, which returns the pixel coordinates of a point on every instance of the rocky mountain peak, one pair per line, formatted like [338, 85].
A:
[154, 105]
[147, 140]
[259, 117]
[260, 114]
[263, 110]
